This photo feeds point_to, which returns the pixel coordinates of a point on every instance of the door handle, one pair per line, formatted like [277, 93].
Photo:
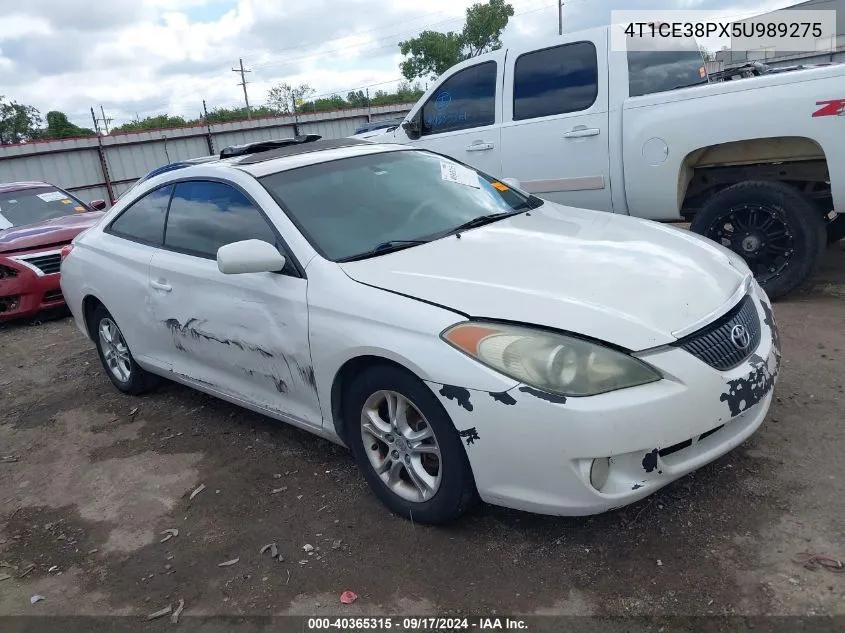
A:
[158, 285]
[582, 132]
[479, 146]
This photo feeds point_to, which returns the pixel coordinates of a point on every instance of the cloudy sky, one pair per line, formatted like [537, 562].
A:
[146, 57]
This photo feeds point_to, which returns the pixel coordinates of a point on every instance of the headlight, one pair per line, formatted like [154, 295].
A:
[552, 362]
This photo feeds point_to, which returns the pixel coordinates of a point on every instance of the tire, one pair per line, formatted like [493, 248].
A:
[136, 380]
[455, 488]
[836, 229]
[782, 255]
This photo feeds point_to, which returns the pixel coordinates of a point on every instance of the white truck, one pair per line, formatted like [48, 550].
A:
[756, 164]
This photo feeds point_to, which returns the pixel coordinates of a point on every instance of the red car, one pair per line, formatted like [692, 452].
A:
[36, 221]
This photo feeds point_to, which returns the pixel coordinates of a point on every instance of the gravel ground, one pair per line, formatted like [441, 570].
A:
[90, 478]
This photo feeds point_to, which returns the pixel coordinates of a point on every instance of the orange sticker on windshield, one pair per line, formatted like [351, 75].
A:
[702, 72]
[65, 201]
[79, 209]
[499, 186]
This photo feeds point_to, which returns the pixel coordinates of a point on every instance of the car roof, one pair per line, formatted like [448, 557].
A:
[19, 186]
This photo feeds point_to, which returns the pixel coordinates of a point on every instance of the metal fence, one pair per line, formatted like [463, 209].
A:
[103, 167]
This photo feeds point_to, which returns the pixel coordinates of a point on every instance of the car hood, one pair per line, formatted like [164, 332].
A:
[50, 232]
[633, 283]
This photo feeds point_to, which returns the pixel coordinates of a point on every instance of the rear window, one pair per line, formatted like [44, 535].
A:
[30, 206]
[651, 71]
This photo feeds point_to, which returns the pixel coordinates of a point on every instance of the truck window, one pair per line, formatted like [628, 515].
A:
[555, 81]
[652, 71]
[466, 100]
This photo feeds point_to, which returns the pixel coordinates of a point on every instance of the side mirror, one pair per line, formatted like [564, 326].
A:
[413, 126]
[97, 205]
[513, 183]
[249, 256]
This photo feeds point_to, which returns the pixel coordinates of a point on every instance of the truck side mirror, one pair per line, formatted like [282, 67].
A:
[413, 126]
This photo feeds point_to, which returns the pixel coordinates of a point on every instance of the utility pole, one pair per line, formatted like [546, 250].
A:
[243, 83]
[96, 122]
[105, 120]
[209, 138]
[560, 17]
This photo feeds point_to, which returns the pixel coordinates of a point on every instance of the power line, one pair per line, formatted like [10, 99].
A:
[243, 83]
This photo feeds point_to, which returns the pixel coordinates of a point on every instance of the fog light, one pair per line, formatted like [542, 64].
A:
[599, 472]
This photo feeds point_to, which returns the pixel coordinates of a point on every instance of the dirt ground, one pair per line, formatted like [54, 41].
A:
[90, 478]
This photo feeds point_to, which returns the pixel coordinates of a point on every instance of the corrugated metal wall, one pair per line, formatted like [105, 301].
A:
[89, 167]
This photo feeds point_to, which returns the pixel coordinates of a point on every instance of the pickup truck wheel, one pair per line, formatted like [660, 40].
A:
[836, 229]
[777, 231]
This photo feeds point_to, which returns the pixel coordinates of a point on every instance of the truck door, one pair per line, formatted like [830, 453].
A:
[460, 117]
[554, 133]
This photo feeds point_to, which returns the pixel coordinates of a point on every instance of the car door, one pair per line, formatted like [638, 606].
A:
[461, 117]
[554, 134]
[130, 241]
[243, 335]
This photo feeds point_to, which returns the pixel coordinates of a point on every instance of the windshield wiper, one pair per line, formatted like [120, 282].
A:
[482, 220]
[384, 248]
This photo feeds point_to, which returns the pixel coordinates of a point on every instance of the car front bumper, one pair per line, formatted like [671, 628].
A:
[24, 292]
[533, 451]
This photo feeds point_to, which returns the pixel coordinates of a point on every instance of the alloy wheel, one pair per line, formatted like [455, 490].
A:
[401, 446]
[115, 350]
[759, 235]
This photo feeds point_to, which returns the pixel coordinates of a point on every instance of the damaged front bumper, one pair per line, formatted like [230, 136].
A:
[536, 452]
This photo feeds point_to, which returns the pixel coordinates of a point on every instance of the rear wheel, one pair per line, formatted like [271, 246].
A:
[406, 446]
[115, 356]
[777, 231]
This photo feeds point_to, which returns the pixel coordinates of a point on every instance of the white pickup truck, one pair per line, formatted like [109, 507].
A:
[756, 164]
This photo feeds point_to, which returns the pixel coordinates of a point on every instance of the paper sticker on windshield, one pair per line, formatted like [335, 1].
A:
[4, 223]
[65, 201]
[79, 209]
[52, 196]
[497, 185]
[451, 172]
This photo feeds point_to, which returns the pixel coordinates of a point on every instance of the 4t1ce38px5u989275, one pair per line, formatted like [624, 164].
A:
[463, 338]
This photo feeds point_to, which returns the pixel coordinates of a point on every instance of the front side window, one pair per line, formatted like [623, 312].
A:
[143, 221]
[347, 208]
[555, 81]
[206, 215]
[30, 206]
[466, 100]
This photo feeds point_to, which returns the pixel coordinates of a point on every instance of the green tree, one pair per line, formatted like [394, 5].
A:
[284, 97]
[58, 126]
[431, 53]
[226, 115]
[159, 122]
[18, 122]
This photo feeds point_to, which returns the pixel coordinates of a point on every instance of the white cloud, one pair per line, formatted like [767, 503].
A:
[148, 57]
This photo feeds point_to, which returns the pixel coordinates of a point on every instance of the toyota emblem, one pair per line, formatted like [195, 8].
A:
[740, 337]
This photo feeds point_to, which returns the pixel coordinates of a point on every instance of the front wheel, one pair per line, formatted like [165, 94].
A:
[777, 231]
[406, 446]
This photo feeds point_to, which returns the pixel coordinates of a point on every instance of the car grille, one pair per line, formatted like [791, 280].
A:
[713, 343]
[7, 304]
[47, 264]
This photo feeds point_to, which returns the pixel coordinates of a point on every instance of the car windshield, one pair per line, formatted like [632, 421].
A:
[349, 207]
[29, 206]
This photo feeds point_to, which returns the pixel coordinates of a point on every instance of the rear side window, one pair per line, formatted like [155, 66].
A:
[143, 221]
[207, 215]
[466, 100]
[651, 71]
[555, 81]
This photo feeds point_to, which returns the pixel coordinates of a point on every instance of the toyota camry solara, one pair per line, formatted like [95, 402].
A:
[463, 338]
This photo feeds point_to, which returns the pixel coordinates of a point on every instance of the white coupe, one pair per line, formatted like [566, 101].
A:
[463, 338]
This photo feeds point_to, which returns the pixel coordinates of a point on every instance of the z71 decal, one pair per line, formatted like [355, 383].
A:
[836, 107]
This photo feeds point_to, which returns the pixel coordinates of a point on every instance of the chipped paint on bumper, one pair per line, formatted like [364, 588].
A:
[536, 454]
